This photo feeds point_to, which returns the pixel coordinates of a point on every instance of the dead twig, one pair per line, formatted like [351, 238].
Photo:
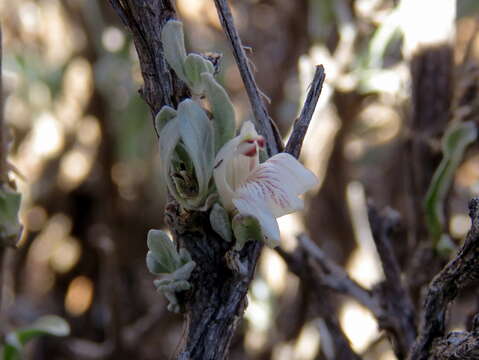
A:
[264, 122]
[335, 277]
[456, 275]
[400, 321]
[300, 127]
[299, 265]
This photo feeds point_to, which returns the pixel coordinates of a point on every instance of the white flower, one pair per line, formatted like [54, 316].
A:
[265, 191]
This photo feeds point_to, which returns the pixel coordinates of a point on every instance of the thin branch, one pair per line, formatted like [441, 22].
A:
[3, 176]
[3, 142]
[296, 139]
[265, 125]
[131, 335]
[400, 321]
[457, 345]
[456, 275]
[298, 264]
[109, 278]
[336, 278]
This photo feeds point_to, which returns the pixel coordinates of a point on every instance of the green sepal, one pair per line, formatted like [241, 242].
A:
[220, 222]
[246, 228]
[222, 110]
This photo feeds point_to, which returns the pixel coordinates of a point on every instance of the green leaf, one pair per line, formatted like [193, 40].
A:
[163, 251]
[9, 225]
[46, 325]
[166, 114]
[454, 143]
[246, 228]
[194, 66]
[169, 139]
[196, 134]
[222, 109]
[173, 40]
[183, 272]
[220, 222]
[154, 266]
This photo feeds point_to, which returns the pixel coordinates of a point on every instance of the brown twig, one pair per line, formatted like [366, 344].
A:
[145, 20]
[265, 125]
[400, 321]
[3, 174]
[132, 335]
[217, 300]
[335, 277]
[457, 345]
[456, 275]
[300, 127]
[299, 265]
[3, 142]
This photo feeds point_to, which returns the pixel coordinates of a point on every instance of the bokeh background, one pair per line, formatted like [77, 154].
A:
[86, 155]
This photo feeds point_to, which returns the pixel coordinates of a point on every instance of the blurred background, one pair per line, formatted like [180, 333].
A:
[86, 152]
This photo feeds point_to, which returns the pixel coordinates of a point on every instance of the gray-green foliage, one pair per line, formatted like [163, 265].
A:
[9, 225]
[220, 222]
[176, 267]
[222, 109]
[187, 67]
[246, 228]
[188, 139]
[454, 143]
[46, 325]
[187, 153]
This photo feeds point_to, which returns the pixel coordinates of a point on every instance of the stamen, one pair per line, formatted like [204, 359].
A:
[261, 142]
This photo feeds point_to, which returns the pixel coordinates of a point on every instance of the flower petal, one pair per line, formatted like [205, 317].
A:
[247, 205]
[223, 173]
[278, 182]
[293, 172]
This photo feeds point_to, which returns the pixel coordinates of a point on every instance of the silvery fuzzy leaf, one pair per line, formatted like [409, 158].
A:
[173, 40]
[154, 266]
[194, 66]
[10, 227]
[246, 228]
[181, 285]
[222, 109]
[174, 286]
[162, 282]
[174, 308]
[185, 256]
[220, 222]
[183, 272]
[169, 139]
[164, 115]
[196, 133]
[173, 305]
[163, 250]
